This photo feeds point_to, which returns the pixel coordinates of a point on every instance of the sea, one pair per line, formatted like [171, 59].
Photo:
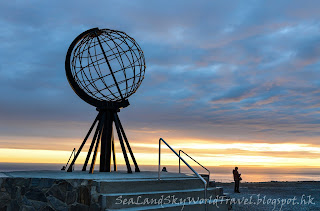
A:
[217, 173]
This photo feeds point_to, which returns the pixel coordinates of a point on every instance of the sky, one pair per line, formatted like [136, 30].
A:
[229, 82]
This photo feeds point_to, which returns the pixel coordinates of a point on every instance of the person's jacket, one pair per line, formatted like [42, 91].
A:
[236, 175]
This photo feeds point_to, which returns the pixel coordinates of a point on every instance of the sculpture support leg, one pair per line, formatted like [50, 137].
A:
[98, 129]
[114, 157]
[106, 142]
[128, 145]
[122, 144]
[104, 136]
[96, 147]
[83, 143]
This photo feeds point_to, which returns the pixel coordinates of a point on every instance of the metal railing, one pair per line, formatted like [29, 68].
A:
[180, 158]
[193, 160]
[72, 153]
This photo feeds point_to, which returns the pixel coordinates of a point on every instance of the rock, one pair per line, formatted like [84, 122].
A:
[14, 206]
[38, 204]
[4, 198]
[93, 189]
[95, 207]
[57, 193]
[84, 196]
[47, 208]
[84, 183]
[25, 201]
[95, 198]
[46, 183]
[79, 207]
[16, 192]
[75, 182]
[36, 195]
[23, 190]
[71, 197]
[65, 186]
[8, 182]
[56, 204]
[22, 182]
[35, 182]
[96, 185]
[60, 190]
[48, 194]
[4, 208]
[27, 208]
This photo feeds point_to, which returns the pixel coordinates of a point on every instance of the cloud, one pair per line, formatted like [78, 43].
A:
[214, 69]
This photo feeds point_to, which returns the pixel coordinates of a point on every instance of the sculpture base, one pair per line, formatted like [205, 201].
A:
[59, 190]
[104, 136]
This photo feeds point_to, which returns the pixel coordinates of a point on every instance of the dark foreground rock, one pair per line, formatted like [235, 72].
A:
[47, 194]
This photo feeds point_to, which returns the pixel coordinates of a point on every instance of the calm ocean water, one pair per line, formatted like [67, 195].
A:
[219, 173]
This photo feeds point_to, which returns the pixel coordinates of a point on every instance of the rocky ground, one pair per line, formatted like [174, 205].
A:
[47, 194]
[275, 196]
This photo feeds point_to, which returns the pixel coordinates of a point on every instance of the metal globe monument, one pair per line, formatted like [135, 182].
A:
[105, 67]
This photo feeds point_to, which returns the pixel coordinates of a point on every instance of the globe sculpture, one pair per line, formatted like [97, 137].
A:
[105, 67]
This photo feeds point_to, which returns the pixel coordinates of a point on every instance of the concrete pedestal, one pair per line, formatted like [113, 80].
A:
[57, 190]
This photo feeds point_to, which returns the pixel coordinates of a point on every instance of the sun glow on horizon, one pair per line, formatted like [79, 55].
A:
[283, 147]
[215, 154]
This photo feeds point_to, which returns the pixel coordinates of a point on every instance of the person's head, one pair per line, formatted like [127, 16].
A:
[236, 168]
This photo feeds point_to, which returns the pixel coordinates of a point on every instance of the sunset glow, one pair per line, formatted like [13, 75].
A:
[229, 83]
[215, 154]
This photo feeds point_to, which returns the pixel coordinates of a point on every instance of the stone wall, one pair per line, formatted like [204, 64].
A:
[48, 194]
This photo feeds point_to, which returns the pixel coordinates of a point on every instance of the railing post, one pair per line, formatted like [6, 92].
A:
[196, 173]
[205, 197]
[159, 159]
[179, 161]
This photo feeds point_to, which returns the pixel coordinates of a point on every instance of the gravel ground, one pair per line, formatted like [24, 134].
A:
[275, 196]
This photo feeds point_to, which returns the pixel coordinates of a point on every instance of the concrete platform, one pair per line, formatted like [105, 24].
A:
[60, 190]
[118, 175]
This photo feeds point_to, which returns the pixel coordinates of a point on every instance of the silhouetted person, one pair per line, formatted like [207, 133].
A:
[237, 178]
[164, 169]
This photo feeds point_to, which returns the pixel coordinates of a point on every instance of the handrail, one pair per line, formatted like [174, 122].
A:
[180, 158]
[72, 153]
[194, 161]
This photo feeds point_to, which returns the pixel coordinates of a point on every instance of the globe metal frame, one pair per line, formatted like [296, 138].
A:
[123, 50]
[105, 67]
